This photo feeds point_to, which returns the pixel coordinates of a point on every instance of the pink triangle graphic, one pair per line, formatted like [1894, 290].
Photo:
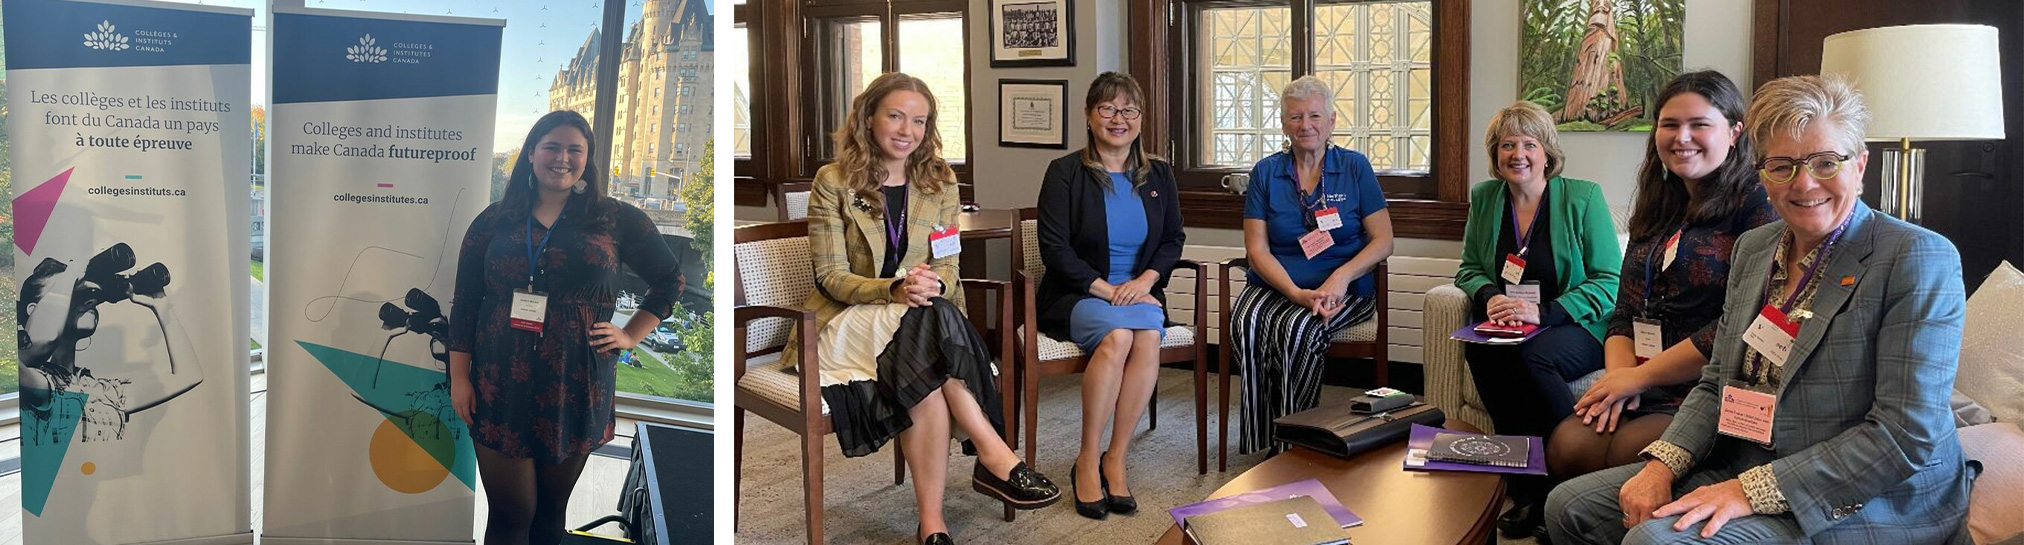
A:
[32, 210]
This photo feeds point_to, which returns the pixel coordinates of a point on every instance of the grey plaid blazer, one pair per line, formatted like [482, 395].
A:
[1863, 436]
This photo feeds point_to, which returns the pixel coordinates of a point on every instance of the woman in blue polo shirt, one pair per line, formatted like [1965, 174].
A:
[1315, 226]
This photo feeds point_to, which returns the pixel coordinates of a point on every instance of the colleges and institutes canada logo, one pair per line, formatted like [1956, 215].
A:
[105, 38]
[366, 51]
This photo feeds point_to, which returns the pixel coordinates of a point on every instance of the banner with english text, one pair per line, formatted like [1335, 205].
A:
[380, 144]
[130, 144]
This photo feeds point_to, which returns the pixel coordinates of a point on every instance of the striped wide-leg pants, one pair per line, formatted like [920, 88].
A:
[1279, 347]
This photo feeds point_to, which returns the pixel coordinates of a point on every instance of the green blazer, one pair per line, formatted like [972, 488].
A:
[1586, 258]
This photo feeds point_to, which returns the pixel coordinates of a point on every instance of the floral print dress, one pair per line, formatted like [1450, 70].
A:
[548, 395]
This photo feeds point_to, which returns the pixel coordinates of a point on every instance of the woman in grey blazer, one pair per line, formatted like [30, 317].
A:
[1823, 415]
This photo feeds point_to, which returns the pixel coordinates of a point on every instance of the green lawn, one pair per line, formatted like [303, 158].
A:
[260, 271]
[652, 378]
[256, 344]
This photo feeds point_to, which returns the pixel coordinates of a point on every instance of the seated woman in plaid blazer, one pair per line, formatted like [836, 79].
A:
[898, 357]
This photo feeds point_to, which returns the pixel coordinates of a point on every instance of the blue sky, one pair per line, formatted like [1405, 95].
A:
[540, 36]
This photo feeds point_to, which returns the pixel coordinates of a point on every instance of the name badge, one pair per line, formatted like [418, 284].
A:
[1647, 338]
[1771, 334]
[1314, 242]
[1327, 219]
[945, 241]
[1514, 268]
[1528, 293]
[1746, 414]
[530, 309]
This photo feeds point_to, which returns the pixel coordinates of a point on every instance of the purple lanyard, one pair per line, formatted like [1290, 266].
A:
[895, 230]
[1820, 259]
[1524, 238]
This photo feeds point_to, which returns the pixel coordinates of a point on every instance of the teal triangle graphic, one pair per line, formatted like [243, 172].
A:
[409, 397]
[44, 442]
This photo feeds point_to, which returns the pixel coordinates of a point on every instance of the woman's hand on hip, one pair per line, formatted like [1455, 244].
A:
[609, 338]
[463, 399]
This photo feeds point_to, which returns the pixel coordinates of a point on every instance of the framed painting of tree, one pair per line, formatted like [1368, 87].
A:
[1597, 65]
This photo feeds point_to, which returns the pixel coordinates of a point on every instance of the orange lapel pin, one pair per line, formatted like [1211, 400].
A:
[1847, 281]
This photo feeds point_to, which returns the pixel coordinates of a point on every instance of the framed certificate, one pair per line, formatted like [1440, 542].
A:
[1033, 113]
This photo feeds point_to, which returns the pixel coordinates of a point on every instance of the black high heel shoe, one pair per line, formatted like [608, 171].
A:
[1095, 510]
[1123, 505]
[937, 538]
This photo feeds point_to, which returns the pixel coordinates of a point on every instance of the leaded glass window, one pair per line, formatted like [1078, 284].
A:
[1376, 57]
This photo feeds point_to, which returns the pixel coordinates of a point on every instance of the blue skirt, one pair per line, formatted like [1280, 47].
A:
[1093, 318]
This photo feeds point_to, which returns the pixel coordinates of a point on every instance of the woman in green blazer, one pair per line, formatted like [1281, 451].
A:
[1538, 249]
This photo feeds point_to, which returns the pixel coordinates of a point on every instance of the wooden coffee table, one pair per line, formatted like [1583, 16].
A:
[1398, 506]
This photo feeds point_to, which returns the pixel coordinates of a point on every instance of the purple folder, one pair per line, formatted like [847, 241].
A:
[1310, 488]
[1422, 438]
[1468, 334]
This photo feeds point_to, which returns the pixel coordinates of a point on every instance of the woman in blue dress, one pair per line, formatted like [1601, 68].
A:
[1110, 233]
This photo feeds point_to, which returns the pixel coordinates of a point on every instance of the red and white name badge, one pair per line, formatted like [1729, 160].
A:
[1746, 414]
[1315, 242]
[945, 241]
[1771, 334]
[1514, 269]
[1327, 219]
[530, 309]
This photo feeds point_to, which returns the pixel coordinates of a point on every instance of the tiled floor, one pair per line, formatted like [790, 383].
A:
[596, 492]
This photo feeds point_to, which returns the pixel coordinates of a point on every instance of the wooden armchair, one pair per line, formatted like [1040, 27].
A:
[1041, 355]
[773, 279]
[1364, 340]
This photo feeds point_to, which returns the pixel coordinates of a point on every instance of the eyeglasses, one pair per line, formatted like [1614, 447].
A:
[1821, 166]
[1107, 111]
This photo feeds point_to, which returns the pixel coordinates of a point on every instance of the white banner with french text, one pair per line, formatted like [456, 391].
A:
[129, 131]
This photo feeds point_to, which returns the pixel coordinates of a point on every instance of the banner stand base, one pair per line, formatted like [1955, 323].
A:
[243, 538]
[274, 540]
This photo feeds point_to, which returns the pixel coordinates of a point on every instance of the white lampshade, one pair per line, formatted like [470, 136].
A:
[1923, 82]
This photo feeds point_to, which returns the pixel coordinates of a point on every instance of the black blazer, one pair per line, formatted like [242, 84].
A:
[1075, 238]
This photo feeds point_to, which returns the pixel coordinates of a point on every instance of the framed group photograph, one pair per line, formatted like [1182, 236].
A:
[1032, 33]
[1033, 113]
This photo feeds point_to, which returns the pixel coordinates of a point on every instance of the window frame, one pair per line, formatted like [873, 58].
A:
[1433, 205]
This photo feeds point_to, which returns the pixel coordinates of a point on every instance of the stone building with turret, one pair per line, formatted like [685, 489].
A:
[664, 95]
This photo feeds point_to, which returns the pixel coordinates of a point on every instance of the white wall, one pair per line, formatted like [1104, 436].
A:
[1010, 177]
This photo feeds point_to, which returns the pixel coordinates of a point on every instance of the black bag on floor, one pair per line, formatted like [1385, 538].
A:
[1335, 431]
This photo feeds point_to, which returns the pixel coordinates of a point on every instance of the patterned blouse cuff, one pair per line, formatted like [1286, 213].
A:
[1760, 485]
[1674, 457]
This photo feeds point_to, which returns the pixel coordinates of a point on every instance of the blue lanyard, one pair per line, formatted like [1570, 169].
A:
[534, 252]
[1679, 237]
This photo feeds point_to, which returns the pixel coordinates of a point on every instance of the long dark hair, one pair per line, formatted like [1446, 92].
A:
[1662, 203]
[592, 209]
[1107, 87]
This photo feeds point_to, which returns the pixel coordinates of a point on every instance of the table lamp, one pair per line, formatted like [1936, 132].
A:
[1925, 83]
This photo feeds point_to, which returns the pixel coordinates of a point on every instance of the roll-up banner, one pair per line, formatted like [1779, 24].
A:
[382, 127]
[131, 148]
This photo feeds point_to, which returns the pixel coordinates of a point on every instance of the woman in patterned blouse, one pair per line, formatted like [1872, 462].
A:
[1697, 192]
[532, 352]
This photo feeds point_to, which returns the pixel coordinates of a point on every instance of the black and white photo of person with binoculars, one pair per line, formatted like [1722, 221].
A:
[60, 308]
